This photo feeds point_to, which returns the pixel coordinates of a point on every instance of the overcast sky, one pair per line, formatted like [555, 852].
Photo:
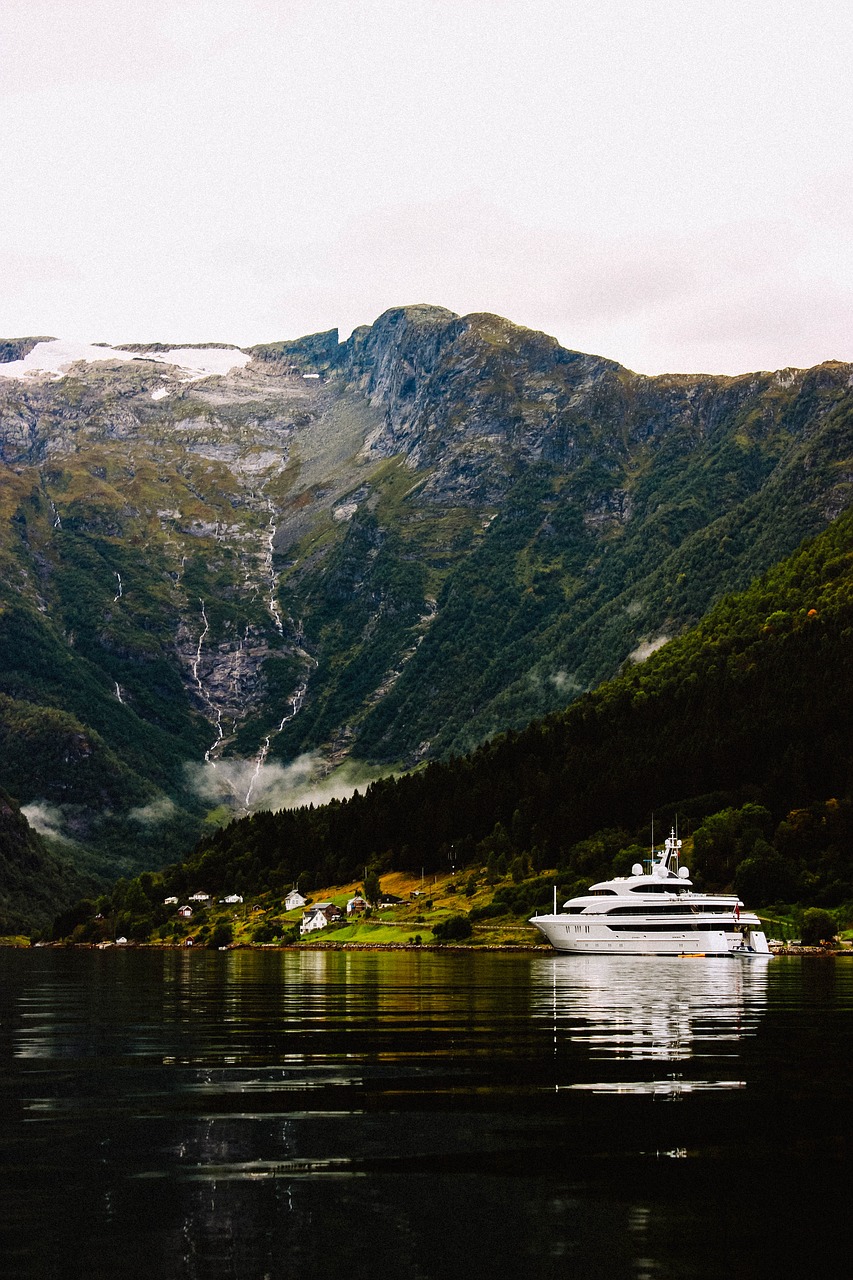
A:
[667, 182]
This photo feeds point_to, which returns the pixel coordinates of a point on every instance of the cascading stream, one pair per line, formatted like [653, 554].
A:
[217, 714]
[197, 659]
[265, 582]
[272, 603]
[297, 701]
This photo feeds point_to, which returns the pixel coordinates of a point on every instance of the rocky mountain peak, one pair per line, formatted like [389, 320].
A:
[217, 560]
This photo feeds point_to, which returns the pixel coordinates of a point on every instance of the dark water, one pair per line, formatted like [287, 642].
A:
[246, 1115]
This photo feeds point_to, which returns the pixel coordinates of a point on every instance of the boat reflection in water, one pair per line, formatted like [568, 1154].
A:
[326, 1115]
[652, 1010]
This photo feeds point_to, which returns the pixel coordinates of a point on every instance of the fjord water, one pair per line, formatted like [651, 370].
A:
[425, 1115]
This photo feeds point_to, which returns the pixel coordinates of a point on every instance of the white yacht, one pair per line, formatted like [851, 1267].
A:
[655, 912]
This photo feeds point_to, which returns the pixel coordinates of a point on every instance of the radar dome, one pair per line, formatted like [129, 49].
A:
[637, 869]
[684, 872]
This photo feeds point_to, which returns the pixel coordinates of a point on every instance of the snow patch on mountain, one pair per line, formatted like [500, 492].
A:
[57, 357]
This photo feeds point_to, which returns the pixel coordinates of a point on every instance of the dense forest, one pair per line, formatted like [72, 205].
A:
[742, 727]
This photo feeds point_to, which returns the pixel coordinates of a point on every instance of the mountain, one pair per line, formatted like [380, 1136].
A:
[226, 572]
[741, 730]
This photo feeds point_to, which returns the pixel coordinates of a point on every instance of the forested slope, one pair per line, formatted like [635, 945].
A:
[34, 882]
[369, 554]
[755, 705]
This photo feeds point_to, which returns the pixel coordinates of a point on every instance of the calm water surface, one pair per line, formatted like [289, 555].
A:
[433, 1116]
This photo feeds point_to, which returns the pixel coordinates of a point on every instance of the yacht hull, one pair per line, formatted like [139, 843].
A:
[587, 937]
[654, 913]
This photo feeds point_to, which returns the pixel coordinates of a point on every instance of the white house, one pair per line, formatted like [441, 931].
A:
[231, 898]
[293, 900]
[185, 912]
[313, 919]
[170, 902]
[199, 897]
[317, 917]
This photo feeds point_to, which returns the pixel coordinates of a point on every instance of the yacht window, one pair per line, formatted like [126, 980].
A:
[669, 909]
[668, 886]
[599, 893]
[685, 926]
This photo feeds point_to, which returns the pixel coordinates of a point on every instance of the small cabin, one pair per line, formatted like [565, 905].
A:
[357, 905]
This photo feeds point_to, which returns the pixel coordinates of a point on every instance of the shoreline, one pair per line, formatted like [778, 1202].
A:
[535, 947]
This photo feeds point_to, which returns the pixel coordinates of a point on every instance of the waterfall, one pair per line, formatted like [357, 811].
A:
[297, 699]
[201, 690]
[198, 653]
[275, 612]
[296, 703]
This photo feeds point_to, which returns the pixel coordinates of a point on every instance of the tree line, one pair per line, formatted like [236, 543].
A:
[748, 717]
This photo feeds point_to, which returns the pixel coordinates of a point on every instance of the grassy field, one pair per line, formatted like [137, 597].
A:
[411, 922]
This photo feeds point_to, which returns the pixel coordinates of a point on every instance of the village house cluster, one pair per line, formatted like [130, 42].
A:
[322, 914]
[200, 899]
[317, 915]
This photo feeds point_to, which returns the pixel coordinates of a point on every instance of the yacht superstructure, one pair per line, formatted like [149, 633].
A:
[655, 912]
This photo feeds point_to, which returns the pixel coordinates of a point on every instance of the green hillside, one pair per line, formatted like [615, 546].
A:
[743, 727]
[567, 514]
[370, 554]
[34, 883]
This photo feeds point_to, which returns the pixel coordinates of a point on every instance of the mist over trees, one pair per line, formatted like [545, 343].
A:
[743, 728]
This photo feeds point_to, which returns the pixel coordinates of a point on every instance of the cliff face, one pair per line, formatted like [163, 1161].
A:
[476, 396]
[385, 548]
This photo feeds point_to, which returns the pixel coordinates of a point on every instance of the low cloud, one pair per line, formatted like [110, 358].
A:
[564, 682]
[248, 788]
[158, 810]
[646, 648]
[47, 819]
